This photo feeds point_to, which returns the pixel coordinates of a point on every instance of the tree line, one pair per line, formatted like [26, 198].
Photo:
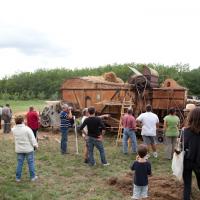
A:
[45, 84]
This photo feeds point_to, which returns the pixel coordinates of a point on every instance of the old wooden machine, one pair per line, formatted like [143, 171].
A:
[110, 95]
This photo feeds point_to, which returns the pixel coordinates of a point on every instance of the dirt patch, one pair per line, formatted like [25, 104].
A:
[160, 187]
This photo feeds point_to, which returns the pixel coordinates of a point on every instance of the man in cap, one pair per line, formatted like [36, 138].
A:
[189, 107]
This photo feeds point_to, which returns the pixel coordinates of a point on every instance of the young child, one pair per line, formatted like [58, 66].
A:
[142, 169]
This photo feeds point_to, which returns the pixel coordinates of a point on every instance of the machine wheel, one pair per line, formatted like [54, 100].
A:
[45, 121]
[160, 139]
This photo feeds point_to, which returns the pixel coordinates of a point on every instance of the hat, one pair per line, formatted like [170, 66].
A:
[85, 110]
[65, 106]
[189, 107]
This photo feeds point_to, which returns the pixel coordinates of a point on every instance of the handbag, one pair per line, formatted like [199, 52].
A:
[178, 158]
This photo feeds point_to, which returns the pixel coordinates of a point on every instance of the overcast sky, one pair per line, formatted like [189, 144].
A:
[88, 33]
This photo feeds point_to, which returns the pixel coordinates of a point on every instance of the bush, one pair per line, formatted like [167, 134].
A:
[54, 96]
[41, 95]
[6, 96]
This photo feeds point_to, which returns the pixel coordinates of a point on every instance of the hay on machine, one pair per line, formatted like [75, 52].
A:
[108, 93]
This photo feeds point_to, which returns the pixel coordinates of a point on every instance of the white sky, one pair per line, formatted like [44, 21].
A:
[88, 33]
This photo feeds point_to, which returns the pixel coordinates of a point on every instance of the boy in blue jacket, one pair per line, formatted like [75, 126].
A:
[142, 169]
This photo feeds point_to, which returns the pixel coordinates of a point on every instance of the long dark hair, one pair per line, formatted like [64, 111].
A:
[193, 120]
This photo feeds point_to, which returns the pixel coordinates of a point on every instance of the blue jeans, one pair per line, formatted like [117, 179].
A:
[128, 133]
[140, 192]
[64, 139]
[99, 145]
[20, 161]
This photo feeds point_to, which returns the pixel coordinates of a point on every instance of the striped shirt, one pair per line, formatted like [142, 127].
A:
[64, 121]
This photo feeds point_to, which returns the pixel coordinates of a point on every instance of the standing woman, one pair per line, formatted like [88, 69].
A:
[171, 129]
[25, 143]
[192, 151]
[33, 120]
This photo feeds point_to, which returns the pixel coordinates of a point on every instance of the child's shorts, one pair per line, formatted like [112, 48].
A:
[140, 192]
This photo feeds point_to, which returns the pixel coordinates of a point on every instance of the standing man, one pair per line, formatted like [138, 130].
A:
[85, 132]
[65, 117]
[33, 120]
[7, 116]
[94, 125]
[188, 108]
[149, 123]
[129, 125]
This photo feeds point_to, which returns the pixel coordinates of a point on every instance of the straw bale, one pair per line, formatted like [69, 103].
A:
[119, 80]
[94, 78]
[170, 83]
[110, 76]
[107, 77]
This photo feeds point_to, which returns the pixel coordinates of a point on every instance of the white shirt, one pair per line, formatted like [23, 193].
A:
[85, 129]
[24, 139]
[149, 121]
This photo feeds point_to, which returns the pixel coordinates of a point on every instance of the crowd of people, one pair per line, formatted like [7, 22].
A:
[25, 136]
[93, 129]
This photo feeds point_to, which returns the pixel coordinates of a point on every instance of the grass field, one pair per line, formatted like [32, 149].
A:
[67, 177]
[23, 106]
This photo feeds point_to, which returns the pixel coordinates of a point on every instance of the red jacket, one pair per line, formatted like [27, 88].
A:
[32, 120]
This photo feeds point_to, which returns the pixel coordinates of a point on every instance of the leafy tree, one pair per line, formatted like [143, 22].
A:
[192, 81]
[45, 84]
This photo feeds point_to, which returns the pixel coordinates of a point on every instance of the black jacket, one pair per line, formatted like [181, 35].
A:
[192, 147]
[94, 125]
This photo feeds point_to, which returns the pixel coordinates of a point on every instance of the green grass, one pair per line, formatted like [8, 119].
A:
[67, 177]
[19, 106]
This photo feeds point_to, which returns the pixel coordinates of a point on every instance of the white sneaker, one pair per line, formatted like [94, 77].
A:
[106, 164]
[155, 154]
[18, 180]
[34, 179]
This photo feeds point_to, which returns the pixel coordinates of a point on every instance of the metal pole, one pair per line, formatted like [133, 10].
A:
[76, 135]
